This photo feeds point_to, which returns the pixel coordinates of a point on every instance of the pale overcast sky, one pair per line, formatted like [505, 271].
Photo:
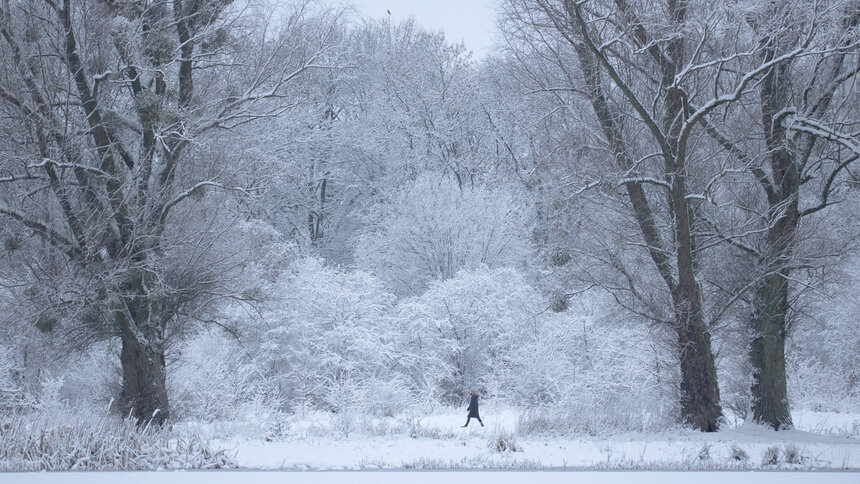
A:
[472, 21]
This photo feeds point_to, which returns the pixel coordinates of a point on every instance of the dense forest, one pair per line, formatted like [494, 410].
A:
[630, 215]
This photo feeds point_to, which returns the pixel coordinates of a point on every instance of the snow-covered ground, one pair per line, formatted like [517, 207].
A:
[322, 442]
[377, 477]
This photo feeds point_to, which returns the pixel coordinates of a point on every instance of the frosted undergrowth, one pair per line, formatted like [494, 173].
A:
[55, 442]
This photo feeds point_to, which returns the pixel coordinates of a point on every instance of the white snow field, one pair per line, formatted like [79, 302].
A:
[821, 441]
[462, 477]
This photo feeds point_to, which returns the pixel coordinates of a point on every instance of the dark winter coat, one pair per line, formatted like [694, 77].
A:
[473, 407]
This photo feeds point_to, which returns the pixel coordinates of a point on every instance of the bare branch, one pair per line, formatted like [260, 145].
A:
[826, 190]
[48, 234]
[197, 189]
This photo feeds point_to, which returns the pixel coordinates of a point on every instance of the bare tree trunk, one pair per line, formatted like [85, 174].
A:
[144, 387]
[769, 319]
[316, 210]
[767, 352]
[770, 303]
[700, 394]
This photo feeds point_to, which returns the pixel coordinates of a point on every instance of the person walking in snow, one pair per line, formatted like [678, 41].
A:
[473, 409]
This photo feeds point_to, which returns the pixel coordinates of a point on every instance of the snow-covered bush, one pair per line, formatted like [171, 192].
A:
[581, 371]
[214, 378]
[770, 456]
[504, 441]
[460, 330]
[738, 453]
[90, 379]
[823, 359]
[432, 228]
[327, 340]
[539, 369]
[624, 382]
[386, 396]
[50, 379]
[791, 454]
[13, 395]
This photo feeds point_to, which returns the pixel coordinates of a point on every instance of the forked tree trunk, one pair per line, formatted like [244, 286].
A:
[770, 304]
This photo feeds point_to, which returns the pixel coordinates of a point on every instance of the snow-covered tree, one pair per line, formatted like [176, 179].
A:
[431, 228]
[115, 108]
[325, 336]
[460, 331]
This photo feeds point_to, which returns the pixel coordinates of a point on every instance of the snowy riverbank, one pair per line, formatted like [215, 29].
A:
[320, 441]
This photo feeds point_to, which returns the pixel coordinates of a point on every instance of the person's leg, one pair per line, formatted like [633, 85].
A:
[480, 421]
[467, 421]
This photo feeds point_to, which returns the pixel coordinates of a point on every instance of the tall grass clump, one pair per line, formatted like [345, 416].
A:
[56, 443]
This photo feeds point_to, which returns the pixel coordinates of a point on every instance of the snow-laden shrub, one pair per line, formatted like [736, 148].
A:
[791, 454]
[704, 452]
[60, 442]
[738, 453]
[432, 228]
[386, 396]
[13, 395]
[50, 379]
[326, 341]
[504, 441]
[823, 360]
[214, 378]
[462, 328]
[540, 369]
[823, 346]
[90, 379]
[582, 373]
[770, 456]
[624, 382]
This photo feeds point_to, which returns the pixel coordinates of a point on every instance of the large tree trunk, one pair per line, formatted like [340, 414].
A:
[700, 394]
[144, 387]
[767, 353]
[768, 323]
[770, 304]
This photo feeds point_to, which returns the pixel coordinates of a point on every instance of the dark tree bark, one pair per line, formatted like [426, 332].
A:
[770, 302]
[767, 353]
[700, 394]
[788, 156]
[144, 384]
